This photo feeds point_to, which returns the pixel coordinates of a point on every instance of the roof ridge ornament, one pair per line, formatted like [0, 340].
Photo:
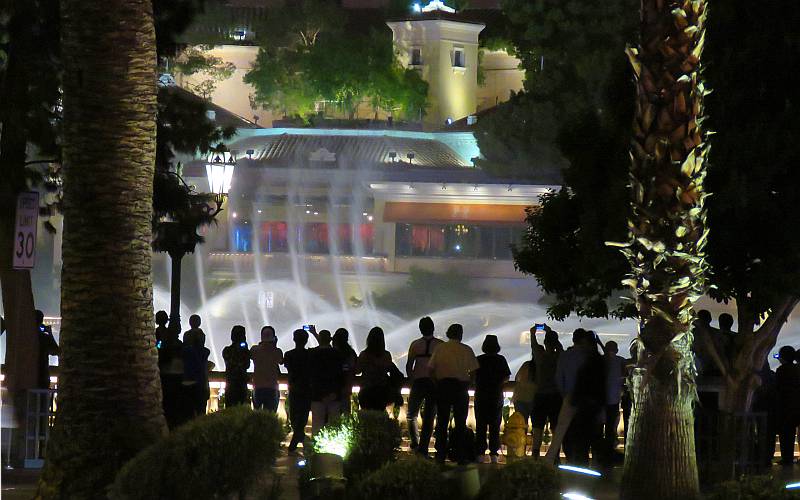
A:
[435, 5]
[323, 155]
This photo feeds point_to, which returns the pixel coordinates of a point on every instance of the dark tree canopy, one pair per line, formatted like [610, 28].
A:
[753, 250]
[754, 211]
[570, 125]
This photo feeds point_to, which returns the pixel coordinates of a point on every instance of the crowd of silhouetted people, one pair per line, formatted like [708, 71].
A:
[577, 392]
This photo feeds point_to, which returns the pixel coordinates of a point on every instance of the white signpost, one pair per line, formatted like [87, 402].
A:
[25, 230]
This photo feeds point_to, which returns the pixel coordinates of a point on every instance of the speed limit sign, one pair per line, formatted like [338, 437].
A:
[25, 230]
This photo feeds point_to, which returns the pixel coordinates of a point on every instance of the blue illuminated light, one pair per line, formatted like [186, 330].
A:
[580, 470]
[301, 463]
[575, 496]
[417, 7]
[793, 486]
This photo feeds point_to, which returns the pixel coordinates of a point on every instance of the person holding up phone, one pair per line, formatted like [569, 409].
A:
[47, 347]
[237, 361]
[547, 399]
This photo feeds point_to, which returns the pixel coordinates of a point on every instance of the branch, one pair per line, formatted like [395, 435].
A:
[33, 162]
[767, 334]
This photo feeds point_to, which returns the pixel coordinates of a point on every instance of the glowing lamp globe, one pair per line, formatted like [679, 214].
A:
[219, 170]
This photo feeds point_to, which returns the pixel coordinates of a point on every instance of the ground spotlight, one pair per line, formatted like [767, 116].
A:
[580, 470]
[575, 496]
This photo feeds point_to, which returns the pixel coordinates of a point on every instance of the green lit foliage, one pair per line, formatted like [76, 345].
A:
[370, 437]
[427, 292]
[525, 479]
[334, 440]
[212, 456]
[303, 60]
[413, 479]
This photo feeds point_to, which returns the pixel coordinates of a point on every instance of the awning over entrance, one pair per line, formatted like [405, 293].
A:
[410, 212]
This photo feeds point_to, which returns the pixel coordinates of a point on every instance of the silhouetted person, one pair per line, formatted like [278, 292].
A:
[787, 383]
[327, 377]
[341, 343]
[267, 358]
[237, 361]
[728, 336]
[525, 390]
[490, 376]
[170, 366]
[194, 335]
[162, 318]
[423, 390]
[547, 401]
[615, 379]
[375, 366]
[580, 379]
[195, 372]
[452, 365]
[765, 400]
[47, 347]
[297, 365]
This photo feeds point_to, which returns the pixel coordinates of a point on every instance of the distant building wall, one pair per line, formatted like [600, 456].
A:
[233, 94]
[501, 76]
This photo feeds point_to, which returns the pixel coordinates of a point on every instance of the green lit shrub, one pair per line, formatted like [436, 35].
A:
[412, 479]
[368, 439]
[751, 488]
[526, 479]
[210, 457]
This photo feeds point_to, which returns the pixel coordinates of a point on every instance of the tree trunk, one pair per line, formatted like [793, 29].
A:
[665, 249]
[660, 411]
[109, 391]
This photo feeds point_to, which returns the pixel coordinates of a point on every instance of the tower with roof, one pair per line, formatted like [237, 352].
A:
[443, 46]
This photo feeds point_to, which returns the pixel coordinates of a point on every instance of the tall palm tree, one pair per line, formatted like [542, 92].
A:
[109, 391]
[665, 250]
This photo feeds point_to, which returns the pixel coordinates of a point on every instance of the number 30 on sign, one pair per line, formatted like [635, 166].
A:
[25, 230]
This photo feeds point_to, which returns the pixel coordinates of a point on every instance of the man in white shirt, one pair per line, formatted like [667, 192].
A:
[422, 387]
[452, 366]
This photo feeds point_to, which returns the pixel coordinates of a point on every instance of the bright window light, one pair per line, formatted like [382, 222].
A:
[580, 470]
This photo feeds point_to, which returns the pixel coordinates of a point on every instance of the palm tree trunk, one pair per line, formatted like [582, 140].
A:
[109, 392]
[665, 250]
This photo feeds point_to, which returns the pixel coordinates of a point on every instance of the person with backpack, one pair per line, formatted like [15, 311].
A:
[490, 376]
[423, 390]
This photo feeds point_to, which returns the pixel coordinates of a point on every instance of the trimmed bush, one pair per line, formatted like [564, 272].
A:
[212, 456]
[371, 438]
[412, 479]
[526, 479]
[751, 488]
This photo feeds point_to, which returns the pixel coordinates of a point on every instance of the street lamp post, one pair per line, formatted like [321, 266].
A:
[179, 236]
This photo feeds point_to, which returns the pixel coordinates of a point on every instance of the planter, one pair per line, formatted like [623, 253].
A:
[463, 481]
[326, 466]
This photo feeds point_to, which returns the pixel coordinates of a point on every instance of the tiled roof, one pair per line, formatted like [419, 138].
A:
[351, 151]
